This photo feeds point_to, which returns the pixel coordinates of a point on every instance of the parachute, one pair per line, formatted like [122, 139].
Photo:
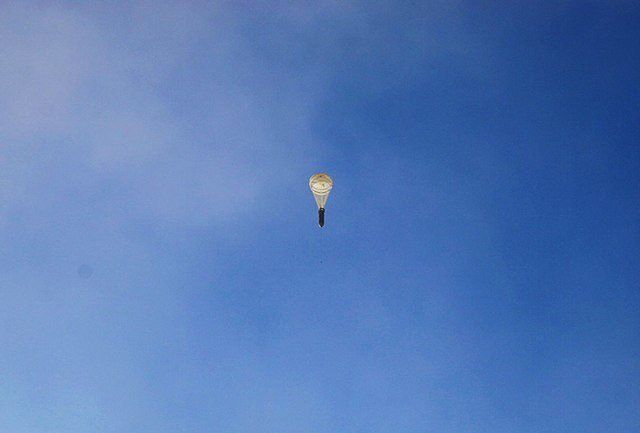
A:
[321, 185]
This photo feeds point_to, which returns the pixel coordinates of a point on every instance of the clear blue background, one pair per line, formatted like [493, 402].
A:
[161, 269]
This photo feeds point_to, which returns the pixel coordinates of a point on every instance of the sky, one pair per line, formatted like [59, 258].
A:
[161, 267]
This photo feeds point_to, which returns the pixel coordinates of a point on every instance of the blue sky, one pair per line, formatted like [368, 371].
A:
[161, 268]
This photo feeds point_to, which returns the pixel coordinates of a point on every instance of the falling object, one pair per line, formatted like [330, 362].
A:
[321, 185]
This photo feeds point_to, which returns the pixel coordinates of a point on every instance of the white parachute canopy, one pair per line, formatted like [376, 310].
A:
[321, 185]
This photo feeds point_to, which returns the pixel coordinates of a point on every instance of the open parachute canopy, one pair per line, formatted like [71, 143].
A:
[321, 185]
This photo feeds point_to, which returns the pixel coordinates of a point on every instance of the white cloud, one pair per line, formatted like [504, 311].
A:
[92, 95]
[179, 112]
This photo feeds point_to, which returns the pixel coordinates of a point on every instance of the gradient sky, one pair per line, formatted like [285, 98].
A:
[161, 268]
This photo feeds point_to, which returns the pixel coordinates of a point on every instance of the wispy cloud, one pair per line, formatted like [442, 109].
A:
[82, 101]
[183, 110]
[124, 127]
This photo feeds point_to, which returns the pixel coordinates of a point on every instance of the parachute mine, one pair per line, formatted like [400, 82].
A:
[321, 185]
